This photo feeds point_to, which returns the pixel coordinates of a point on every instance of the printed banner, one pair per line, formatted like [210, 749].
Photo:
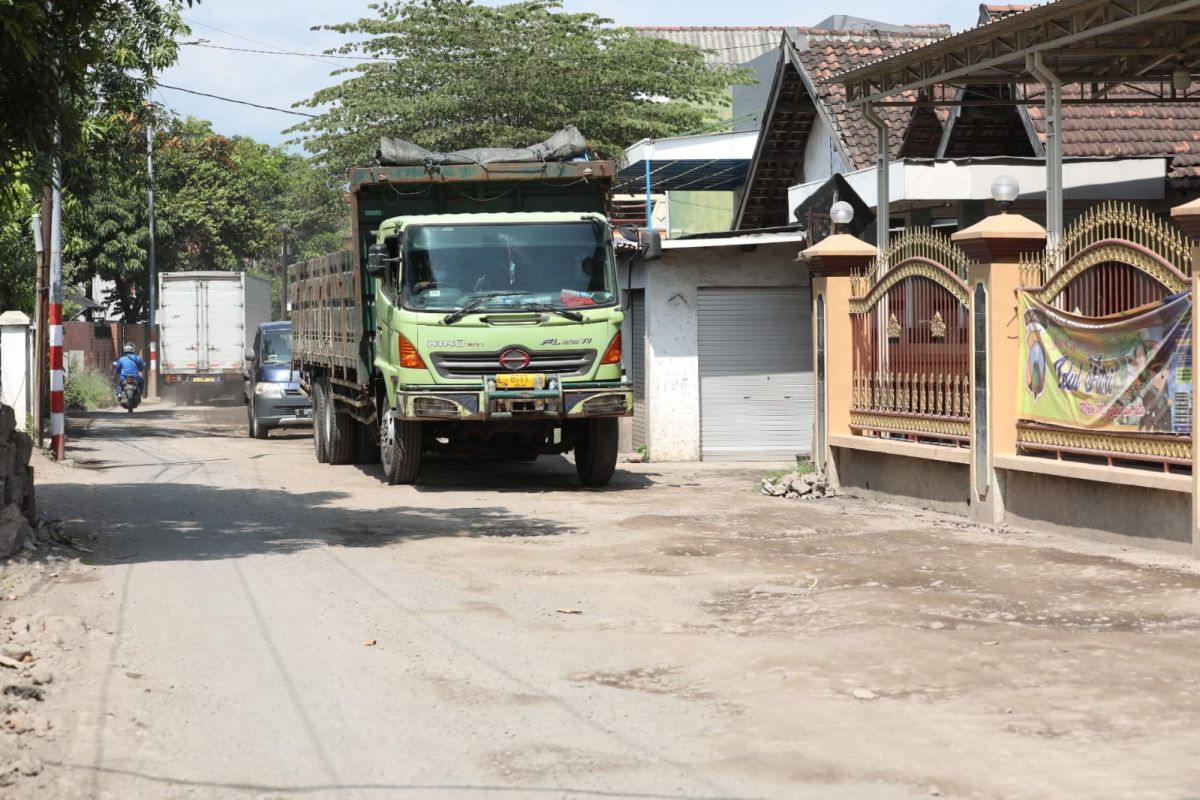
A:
[1129, 373]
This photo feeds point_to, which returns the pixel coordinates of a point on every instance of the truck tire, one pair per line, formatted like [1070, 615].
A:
[319, 442]
[596, 451]
[254, 428]
[338, 429]
[399, 449]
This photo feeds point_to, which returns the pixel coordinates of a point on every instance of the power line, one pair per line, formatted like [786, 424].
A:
[311, 56]
[239, 102]
[212, 46]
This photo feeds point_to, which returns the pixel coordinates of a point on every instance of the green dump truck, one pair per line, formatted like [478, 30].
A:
[478, 313]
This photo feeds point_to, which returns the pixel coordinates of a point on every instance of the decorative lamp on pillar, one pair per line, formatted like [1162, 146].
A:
[833, 263]
[841, 214]
[1005, 191]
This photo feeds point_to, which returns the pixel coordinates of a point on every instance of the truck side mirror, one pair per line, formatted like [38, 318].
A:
[650, 243]
[376, 264]
[250, 356]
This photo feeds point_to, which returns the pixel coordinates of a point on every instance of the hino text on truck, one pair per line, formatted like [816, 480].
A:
[478, 314]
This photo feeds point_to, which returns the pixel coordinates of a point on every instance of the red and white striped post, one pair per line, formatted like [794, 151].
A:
[58, 439]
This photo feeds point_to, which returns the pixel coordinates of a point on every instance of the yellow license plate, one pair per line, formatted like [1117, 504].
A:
[519, 381]
[204, 380]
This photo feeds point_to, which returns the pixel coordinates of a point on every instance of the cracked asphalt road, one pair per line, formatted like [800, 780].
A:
[727, 644]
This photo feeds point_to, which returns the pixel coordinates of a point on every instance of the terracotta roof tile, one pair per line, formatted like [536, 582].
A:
[1131, 131]
[833, 54]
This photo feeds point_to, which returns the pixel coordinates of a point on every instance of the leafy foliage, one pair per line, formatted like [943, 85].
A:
[461, 75]
[87, 389]
[220, 204]
[77, 65]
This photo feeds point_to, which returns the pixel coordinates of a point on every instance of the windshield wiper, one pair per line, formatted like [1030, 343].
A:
[455, 316]
[562, 312]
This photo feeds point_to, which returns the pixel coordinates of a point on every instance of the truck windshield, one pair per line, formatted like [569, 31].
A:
[276, 347]
[562, 264]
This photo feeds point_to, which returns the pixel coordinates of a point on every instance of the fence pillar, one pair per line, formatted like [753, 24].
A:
[15, 367]
[1187, 216]
[995, 244]
[832, 263]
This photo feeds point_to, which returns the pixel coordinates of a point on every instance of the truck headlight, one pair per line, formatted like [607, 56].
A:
[271, 390]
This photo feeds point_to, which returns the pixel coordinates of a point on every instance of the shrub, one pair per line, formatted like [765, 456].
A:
[87, 389]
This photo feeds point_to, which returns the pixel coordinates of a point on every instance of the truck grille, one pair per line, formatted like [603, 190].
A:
[567, 363]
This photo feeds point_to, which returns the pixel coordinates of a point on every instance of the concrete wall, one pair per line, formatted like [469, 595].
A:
[941, 486]
[672, 286]
[1138, 515]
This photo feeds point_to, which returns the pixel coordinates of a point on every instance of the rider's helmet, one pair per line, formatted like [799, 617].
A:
[128, 348]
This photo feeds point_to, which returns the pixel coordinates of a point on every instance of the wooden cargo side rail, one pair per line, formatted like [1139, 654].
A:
[327, 331]
[326, 319]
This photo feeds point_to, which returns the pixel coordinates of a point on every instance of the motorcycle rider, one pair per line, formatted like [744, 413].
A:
[129, 365]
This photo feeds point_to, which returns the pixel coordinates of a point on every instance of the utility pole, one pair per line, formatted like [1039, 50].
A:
[58, 437]
[283, 266]
[152, 377]
[40, 225]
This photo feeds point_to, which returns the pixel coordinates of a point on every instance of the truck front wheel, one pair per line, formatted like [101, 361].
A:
[399, 448]
[596, 451]
[319, 400]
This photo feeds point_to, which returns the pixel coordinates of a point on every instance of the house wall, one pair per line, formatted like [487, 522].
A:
[672, 360]
[699, 212]
[750, 100]
[821, 157]
[96, 344]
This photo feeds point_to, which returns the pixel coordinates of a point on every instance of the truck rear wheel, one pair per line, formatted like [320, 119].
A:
[319, 400]
[399, 449]
[596, 451]
[338, 429]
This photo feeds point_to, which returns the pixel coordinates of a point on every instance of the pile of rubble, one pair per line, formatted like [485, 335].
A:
[797, 485]
[17, 506]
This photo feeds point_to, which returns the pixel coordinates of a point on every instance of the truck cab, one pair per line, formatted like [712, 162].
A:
[272, 388]
[478, 312]
[503, 332]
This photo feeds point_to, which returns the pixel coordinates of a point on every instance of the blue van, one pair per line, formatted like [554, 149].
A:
[273, 397]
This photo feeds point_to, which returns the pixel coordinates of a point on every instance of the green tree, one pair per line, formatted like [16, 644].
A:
[220, 205]
[451, 74]
[77, 65]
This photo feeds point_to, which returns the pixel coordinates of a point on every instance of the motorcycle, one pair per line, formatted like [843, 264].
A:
[128, 394]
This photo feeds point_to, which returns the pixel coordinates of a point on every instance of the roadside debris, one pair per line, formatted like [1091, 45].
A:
[370, 643]
[568, 611]
[797, 485]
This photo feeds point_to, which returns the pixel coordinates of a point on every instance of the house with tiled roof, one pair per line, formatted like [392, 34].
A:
[810, 134]
[945, 156]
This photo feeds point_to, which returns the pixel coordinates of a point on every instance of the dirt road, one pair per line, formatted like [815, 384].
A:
[262, 626]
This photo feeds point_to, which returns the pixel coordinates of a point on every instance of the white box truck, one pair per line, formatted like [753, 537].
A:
[206, 320]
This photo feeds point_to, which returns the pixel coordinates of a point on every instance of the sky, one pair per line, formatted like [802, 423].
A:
[280, 81]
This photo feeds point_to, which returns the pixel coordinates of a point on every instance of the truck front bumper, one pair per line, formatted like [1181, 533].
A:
[572, 401]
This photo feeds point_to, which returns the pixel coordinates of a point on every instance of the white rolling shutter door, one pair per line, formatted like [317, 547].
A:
[756, 374]
[637, 364]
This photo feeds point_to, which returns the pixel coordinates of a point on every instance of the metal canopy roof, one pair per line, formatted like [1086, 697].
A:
[1097, 44]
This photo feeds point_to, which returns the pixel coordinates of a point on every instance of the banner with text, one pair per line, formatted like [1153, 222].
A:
[1131, 372]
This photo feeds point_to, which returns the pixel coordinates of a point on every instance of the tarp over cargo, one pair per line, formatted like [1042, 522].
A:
[565, 145]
